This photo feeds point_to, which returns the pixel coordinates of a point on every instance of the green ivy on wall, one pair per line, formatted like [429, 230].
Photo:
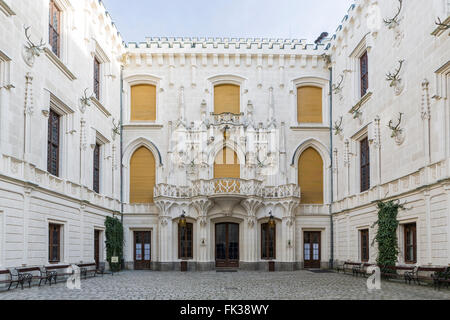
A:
[387, 232]
[114, 241]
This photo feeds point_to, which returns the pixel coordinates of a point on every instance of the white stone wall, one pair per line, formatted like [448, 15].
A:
[30, 197]
[415, 168]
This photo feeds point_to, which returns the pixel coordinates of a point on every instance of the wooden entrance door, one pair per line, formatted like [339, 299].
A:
[142, 250]
[97, 248]
[311, 249]
[227, 245]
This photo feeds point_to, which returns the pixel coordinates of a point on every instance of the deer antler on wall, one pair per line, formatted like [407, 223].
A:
[31, 50]
[442, 26]
[338, 88]
[395, 21]
[338, 126]
[394, 77]
[396, 130]
[35, 49]
[116, 127]
[85, 100]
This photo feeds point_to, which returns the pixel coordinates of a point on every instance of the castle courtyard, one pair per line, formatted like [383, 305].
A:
[242, 285]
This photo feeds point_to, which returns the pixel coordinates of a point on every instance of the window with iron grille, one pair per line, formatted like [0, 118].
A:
[365, 164]
[54, 243]
[185, 241]
[54, 28]
[53, 143]
[97, 168]
[364, 73]
[410, 243]
[97, 78]
[267, 242]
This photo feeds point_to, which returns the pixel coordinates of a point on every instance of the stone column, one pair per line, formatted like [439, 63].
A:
[288, 231]
[164, 232]
[251, 233]
[202, 206]
[28, 190]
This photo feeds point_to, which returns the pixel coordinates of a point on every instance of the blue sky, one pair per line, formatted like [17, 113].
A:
[299, 19]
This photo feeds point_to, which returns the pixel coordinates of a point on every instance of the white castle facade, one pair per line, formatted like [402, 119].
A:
[255, 154]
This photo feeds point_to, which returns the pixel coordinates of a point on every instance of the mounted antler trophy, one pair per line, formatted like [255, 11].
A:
[394, 78]
[85, 100]
[395, 21]
[397, 132]
[338, 126]
[32, 50]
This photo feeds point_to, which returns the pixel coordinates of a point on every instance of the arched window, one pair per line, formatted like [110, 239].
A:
[310, 177]
[142, 176]
[227, 98]
[143, 102]
[309, 104]
[227, 164]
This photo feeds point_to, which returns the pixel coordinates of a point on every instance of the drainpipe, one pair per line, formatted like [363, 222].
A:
[121, 144]
[331, 171]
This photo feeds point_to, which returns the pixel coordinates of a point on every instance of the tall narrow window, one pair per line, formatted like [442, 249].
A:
[365, 164]
[227, 99]
[364, 73]
[410, 243]
[142, 176]
[53, 143]
[310, 177]
[97, 168]
[97, 78]
[309, 104]
[267, 242]
[54, 243]
[185, 241]
[54, 28]
[143, 102]
[364, 234]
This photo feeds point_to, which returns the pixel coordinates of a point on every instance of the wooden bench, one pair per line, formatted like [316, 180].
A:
[16, 277]
[87, 269]
[424, 274]
[395, 272]
[57, 271]
[441, 278]
[355, 267]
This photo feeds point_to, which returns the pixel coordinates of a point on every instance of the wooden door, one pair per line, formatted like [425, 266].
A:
[97, 248]
[142, 250]
[227, 245]
[311, 249]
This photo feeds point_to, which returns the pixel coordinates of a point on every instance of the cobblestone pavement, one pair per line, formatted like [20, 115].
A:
[298, 285]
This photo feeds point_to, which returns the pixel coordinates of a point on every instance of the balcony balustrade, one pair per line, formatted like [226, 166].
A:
[226, 187]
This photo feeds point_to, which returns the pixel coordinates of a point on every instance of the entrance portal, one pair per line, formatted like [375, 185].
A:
[227, 245]
[142, 246]
[311, 249]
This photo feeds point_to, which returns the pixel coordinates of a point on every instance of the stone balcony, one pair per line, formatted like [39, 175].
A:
[226, 188]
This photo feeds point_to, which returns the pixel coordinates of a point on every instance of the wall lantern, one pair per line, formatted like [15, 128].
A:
[182, 221]
[272, 222]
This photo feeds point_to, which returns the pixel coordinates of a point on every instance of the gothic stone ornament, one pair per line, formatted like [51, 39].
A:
[31, 50]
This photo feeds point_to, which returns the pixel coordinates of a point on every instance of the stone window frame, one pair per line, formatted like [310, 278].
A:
[67, 118]
[66, 24]
[103, 142]
[63, 240]
[310, 81]
[363, 46]
[137, 79]
[233, 79]
[5, 90]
